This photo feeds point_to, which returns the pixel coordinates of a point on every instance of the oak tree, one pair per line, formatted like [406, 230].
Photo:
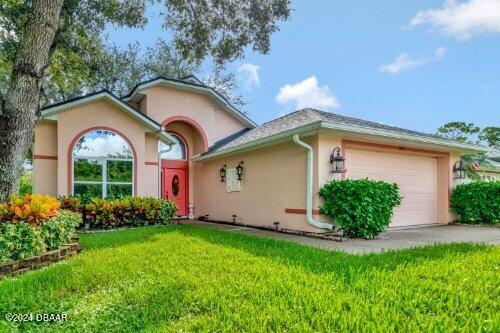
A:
[34, 32]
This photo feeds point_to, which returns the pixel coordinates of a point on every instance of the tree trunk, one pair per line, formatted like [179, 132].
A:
[20, 109]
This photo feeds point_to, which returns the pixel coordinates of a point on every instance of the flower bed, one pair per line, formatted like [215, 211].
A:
[119, 213]
[32, 225]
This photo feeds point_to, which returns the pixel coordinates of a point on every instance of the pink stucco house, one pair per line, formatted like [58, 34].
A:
[182, 140]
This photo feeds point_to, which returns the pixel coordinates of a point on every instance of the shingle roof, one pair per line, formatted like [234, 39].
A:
[298, 119]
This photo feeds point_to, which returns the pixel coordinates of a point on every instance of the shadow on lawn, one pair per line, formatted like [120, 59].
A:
[313, 259]
[117, 238]
[322, 261]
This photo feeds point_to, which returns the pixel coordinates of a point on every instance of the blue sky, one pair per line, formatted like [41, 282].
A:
[413, 64]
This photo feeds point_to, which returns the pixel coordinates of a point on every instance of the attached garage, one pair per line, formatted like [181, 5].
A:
[416, 176]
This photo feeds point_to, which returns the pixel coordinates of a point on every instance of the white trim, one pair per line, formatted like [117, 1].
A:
[159, 130]
[403, 136]
[193, 87]
[347, 128]
[104, 174]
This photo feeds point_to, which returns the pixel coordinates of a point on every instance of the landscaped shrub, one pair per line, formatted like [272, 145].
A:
[20, 240]
[30, 208]
[127, 212]
[477, 202]
[59, 229]
[33, 224]
[362, 208]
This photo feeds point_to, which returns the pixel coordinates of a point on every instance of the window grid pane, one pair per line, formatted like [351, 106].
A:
[88, 170]
[119, 171]
[88, 190]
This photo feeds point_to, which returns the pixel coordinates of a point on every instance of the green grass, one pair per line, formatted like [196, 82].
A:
[186, 278]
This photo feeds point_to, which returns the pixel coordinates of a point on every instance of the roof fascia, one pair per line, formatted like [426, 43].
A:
[403, 136]
[158, 129]
[259, 142]
[193, 87]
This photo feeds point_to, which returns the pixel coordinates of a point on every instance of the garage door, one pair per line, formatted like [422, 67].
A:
[416, 176]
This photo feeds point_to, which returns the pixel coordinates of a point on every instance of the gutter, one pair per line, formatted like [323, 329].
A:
[309, 192]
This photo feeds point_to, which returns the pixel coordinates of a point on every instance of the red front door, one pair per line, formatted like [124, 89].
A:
[175, 188]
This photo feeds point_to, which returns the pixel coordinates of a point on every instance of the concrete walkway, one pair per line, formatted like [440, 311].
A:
[392, 239]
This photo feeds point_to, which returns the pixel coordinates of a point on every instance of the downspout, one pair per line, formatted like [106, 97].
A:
[159, 168]
[309, 191]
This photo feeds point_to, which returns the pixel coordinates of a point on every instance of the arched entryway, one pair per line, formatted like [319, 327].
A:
[175, 173]
[177, 169]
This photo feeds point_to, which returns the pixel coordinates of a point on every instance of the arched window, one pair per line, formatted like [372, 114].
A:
[178, 152]
[103, 166]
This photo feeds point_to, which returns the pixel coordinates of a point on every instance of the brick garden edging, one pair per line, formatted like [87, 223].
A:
[22, 266]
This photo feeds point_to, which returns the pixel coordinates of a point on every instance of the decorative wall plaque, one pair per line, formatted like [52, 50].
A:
[232, 182]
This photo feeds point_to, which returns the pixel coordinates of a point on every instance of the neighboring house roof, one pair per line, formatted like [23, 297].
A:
[51, 111]
[309, 119]
[190, 83]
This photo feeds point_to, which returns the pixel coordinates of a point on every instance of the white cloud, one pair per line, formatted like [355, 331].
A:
[462, 20]
[308, 93]
[96, 145]
[249, 74]
[404, 61]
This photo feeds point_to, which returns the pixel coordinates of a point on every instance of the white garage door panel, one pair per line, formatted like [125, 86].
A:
[416, 176]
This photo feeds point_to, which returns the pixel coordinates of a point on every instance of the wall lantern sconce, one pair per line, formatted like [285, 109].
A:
[239, 170]
[459, 171]
[336, 161]
[222, 174]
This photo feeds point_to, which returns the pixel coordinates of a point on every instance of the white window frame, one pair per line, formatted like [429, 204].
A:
[104, 172]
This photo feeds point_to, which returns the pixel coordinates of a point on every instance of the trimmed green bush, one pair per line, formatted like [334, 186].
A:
[362, 207]
[59, 229]
[21, 240]
[100, 213]
[477, 202]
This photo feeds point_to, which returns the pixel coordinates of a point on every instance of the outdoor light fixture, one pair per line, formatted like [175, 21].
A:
[336, 161]
[222, 173]
[459, 171]
[239, 170]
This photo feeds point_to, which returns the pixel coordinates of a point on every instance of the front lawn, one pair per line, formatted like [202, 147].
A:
[185, 278]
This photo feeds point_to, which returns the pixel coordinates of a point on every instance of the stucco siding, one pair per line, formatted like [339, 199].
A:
[274, 179]
[225, 124]
[45, 138]
[99, 114]
[163, 103]
[45, 176]
[45, 158]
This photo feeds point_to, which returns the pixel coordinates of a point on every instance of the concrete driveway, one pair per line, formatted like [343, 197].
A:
[391, 239]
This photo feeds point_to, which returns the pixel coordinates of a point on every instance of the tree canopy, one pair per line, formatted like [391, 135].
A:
[458, 130]
[53, 49]
[83, 59]
[467, 132]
